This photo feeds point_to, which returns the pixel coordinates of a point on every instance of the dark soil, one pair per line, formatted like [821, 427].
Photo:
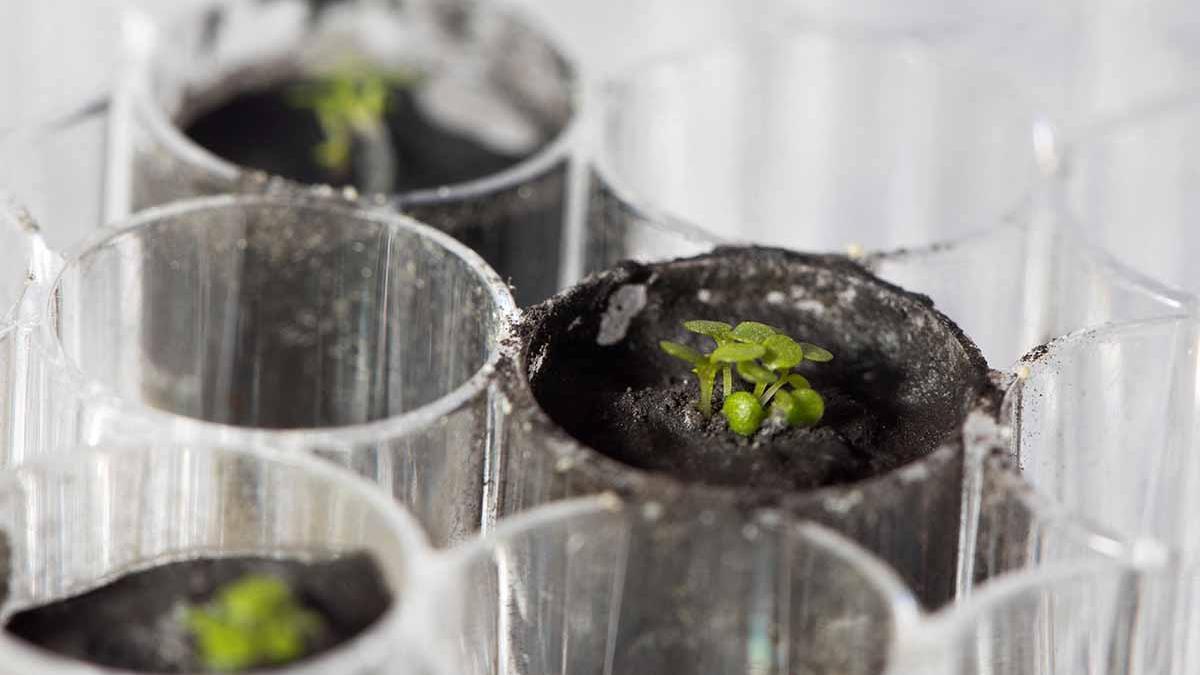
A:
[133, 623]
[903, 377]
[261, 129]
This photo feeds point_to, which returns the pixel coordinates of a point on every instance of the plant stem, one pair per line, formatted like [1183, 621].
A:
[758, 389]
[728, 373]
[707, 378]
[774, 388]
[375, 162]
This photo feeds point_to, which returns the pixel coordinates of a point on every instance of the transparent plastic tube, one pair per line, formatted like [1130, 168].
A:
[303, 324]
[1128, 184]
[76, 521]
[24, 260]
[930, 19]
[1083, 63]
[1027, 281]
[596, 586]
[56, 170]
[1105, 426]
[1102, 444]
[21, 251]
[1074, 619]
[485, 74]
[814, 139]
[40, 82]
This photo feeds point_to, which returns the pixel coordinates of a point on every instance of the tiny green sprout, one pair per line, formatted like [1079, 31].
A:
[349, 102]
[764, 357]
[252, 622]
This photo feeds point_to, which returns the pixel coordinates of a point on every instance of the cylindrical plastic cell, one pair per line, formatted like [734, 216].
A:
[1130, 187]
[1069, 619]
[907, 511]
[1084, 63]
[41, 82]
[21, 254]
[56, 170]
[74, 522]
[362, 336]
[1103, 431]
[1028, 281]
[929, 19]
[486, 75]
[563, 590]
[1104, 424]
[812, 139]
[1051, 592]
[23, 260]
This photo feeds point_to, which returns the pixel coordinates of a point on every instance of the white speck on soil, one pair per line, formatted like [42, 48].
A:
[575, 323]
[610, 501]
[847, 295]
[564, 464]
[770, 518]
[626, 303]
[843, 504]
[913, 473]
[704, 295]
[775, 298]
[810, 306]
[750, 532]
[652, 511]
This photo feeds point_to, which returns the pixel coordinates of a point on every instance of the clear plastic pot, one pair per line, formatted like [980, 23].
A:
[24, 260]
[485, 72]
[814, 138]
[76, 521]
[563, 589]
[1084, 63]
[304, 324]
[1028, 280]
[1128, 183]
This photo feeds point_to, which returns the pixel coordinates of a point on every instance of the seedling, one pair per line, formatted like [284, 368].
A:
[763, 357]
[349, 103]
[253, 622]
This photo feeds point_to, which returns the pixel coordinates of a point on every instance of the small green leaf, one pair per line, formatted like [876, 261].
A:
[717, 330]
[798, 381]
[783, 353]
[743, 412]
[736, 353]
[681, 352]
[814, 353]
[224, 647]
[751, 371]
[753, 332]
[252, 621]
[810, 405]
[253, 599]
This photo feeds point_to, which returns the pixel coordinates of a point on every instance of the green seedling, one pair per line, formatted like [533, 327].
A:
[763, 357]
[251, 623]
[349, 103]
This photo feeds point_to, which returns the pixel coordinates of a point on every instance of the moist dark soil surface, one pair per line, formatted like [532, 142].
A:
[262, 129]
[779, 456]
[902, 380]
[133, 622]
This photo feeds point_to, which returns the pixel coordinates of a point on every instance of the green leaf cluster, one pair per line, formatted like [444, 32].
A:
[763, 357]
[351, 99]
[252, 622]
